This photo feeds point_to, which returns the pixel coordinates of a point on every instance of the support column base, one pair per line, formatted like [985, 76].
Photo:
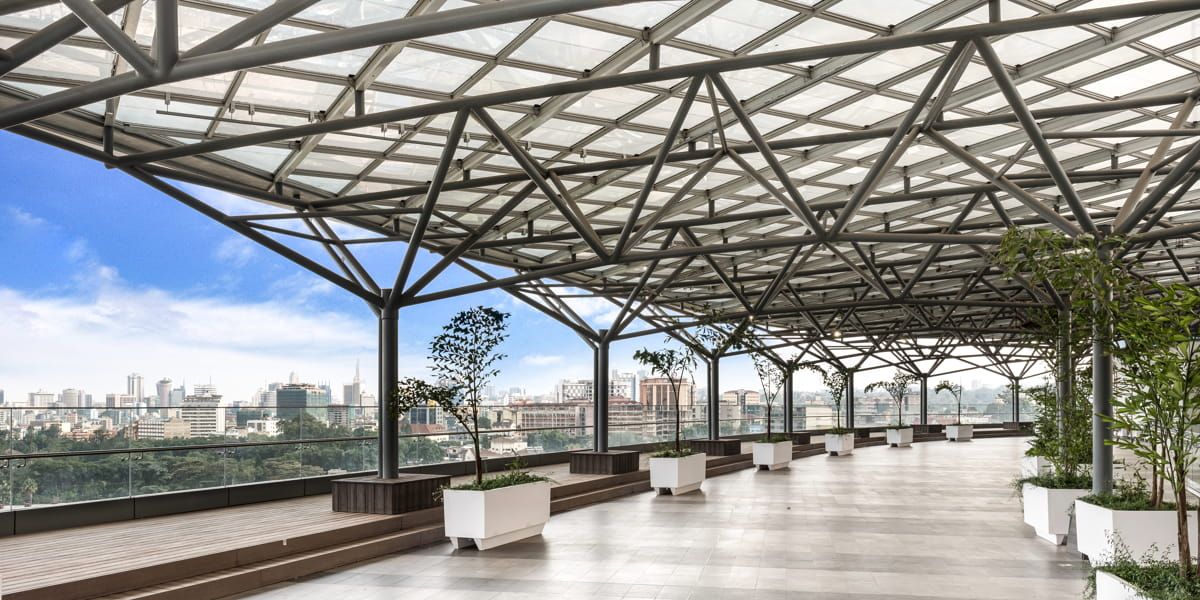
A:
[372, 495]
[613, 462]
[722, 447]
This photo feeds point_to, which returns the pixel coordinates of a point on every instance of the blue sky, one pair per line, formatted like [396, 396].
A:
[101, 276]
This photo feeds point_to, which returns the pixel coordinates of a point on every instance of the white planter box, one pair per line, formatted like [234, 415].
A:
[773, 456]
[840, 444]
[1140, 531]
[1049, 511]
[1032, 466]
[1111, 587]
[491, 518]
[900, 438]
[678, 475]
[960, 433]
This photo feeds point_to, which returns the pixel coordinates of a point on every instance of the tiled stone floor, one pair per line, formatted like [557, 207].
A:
[933, 521]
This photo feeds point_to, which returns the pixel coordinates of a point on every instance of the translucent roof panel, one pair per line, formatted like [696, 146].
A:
[334, 109]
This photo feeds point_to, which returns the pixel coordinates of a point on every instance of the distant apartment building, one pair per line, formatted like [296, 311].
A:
[41, 398]
[657, 397]
[203, 413]
[573, 417]
[71, 398]
[573, 390]
[295, 399]
[176, 428]
[149, 427]
[263, 426]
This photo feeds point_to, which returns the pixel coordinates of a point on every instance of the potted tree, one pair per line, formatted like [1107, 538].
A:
[839, 441]
[958, 431]
[898, 436]
[497, 510]
[29, 487]
[1159, 410]
[676, 469]
[1048, 498]
[772, 452]
[1080, 278]
[1044, 444]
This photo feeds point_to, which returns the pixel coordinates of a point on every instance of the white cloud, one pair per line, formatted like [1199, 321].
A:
[235, 251]
[541, 360]
[93, 341]
[25, 218]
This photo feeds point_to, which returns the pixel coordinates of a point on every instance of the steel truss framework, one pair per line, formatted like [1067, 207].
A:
[832, 177]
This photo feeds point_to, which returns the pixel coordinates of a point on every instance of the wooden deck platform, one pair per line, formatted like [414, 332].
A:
[210, 554]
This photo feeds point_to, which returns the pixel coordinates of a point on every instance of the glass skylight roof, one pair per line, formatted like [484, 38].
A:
[594, 146]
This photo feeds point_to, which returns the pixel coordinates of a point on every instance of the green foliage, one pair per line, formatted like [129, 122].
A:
[1054, 481]
[464, 358]
[669, 452]
[514, 475]
[412, 393]
[775, 439]
[675, 365]
[896, 390]
[955, 390]
[1156, 577]
[1066, 450]
[839, 430]
[835, 383]
[770, 375]
[1158, 404]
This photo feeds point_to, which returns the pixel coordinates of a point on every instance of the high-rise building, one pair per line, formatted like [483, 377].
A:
[657, 397]
[573, 390]
[622, 385]
[133, 386]
[41, 398]
[71, 398]
[352, 393]
[163, 388]
[295, 399]
[176, 397]
[203, 413]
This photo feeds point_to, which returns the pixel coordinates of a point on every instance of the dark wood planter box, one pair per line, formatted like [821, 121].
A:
[930, 428]
[799, 438]
[717, 447]
[862, 434]
[613, 462]
[372, 495]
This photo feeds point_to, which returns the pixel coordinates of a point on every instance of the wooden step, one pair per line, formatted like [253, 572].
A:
[64, 587]
[236, 580]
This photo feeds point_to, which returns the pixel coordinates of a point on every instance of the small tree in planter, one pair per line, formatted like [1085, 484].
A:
[839, 441]
[677, 469]
[957, 431]
[498, 510]
[896, 389]
[1159, 407]
[464, 357]
[773, 452]
[29, 487]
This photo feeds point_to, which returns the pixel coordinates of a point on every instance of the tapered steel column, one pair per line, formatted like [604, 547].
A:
[1064, 379]
[788, 424]
[924, 399]
[389, 426]
[600, 393]
[1102, 382]
[1016, 400]
[714, 397]
[850, 398]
